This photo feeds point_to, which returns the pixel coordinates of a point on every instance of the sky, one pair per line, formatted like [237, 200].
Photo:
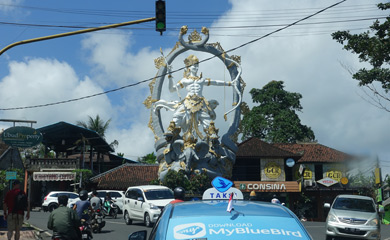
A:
[121, 62]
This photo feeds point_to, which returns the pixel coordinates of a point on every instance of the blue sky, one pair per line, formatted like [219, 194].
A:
[304, 56]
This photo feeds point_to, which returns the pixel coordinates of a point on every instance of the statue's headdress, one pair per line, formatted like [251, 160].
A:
[191, 60]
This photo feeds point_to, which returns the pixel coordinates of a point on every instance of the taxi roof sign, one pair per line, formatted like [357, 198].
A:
[222, 189]
[221, 184]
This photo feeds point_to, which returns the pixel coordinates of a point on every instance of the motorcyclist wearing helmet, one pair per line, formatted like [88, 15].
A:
[179, 195]
[64, 221]
[83, 205]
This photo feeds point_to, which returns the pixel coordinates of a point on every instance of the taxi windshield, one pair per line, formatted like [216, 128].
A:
[158, 194]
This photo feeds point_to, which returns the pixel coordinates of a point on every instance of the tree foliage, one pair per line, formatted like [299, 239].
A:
[4, 183]
[275, 119]
[365, 184]
[149, 158]
[374, 48]
[98, 125]
[195, 184]
[86, 174]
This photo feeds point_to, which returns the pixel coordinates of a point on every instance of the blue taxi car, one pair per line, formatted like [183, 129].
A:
[209, 220]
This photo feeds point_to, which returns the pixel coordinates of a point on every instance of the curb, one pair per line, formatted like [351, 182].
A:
[39, 232]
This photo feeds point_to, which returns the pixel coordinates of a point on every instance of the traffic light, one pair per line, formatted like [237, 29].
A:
[160, 16]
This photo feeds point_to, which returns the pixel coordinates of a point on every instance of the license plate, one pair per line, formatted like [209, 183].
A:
[84, 236]
[99, 220]
[352, 230]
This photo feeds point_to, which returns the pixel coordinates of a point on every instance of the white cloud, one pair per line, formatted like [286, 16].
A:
[7, 6]
[41, 81]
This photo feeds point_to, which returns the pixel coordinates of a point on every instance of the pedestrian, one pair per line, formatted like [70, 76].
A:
[252, 196]
[64, 221]
[179, 195]
[275, 200]
[14, 205]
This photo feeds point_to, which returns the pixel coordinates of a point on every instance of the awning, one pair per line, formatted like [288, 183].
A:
[54, 176]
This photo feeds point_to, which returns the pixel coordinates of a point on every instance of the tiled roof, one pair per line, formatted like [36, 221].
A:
[314, 152]
[255, 147]
[126, 175]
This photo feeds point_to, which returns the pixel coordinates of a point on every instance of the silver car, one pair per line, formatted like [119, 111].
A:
[353, 216]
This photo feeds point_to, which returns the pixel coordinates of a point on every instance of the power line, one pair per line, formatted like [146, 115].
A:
[204, 60]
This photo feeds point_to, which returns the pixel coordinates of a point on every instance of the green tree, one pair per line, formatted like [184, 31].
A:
[372, 47]
[275, 119]
[365, 184]
[98, 125]
[148, 158]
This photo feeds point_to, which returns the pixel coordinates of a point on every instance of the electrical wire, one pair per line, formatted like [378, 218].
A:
[204, 60]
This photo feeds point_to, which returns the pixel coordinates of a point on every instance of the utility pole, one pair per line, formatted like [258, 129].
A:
[75, 33]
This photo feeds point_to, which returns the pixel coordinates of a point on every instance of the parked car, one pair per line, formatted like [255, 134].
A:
[209, 219]
[353, 216]
[117, 196]
[144, 203]
[50, 202]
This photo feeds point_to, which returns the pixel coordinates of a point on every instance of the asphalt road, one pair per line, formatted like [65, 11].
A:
[117, 229]
[114, 227]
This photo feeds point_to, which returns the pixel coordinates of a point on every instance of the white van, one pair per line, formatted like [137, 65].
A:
[144, 203]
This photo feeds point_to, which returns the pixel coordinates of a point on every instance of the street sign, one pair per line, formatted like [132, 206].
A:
[10, 175]
[20, 136]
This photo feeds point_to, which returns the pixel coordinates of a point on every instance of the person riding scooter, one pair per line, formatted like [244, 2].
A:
[64, 221]
[83, 209]
[109, 206]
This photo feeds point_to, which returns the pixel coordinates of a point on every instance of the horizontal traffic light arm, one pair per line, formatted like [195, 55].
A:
[76, 32]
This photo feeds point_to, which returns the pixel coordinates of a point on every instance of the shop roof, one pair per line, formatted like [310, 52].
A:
[254, 147]
[126, 175]
[314, 152]
[63, 136]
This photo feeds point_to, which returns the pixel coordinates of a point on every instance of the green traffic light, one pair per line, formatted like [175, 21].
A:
[160, 25]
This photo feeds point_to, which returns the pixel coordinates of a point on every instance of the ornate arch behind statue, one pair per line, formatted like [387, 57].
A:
[190, 152]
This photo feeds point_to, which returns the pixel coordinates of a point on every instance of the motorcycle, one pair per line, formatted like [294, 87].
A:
[97, 222]
[86, 233]
[114, 209]
[56, 236]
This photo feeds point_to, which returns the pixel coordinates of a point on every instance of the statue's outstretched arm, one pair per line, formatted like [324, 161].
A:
[213, 82]
[172, 86]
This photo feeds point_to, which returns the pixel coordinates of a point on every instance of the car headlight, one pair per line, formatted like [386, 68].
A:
[152, 206]
[373, 222]
[332, 218]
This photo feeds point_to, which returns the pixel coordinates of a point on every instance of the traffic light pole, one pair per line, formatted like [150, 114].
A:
[75, 33]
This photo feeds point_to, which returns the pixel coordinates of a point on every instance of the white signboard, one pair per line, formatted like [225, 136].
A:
[54, 176]
[327, 181]
[214, 194]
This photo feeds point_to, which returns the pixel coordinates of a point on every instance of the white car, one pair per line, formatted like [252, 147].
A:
[144, 203]
[50, 202]
[117, 196]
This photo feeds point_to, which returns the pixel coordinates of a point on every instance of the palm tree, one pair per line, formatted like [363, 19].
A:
[96, 124]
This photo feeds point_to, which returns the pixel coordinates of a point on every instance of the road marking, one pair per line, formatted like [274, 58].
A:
[122, 223]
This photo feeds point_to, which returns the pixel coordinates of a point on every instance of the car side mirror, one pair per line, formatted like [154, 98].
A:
[326, 205]
[140, 199]
[140, 235]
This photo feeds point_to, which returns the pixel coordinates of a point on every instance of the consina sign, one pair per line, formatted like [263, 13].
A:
[248, 186]
[20, 136]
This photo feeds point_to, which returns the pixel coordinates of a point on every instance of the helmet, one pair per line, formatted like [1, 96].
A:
[83, 195]
[179, 193]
